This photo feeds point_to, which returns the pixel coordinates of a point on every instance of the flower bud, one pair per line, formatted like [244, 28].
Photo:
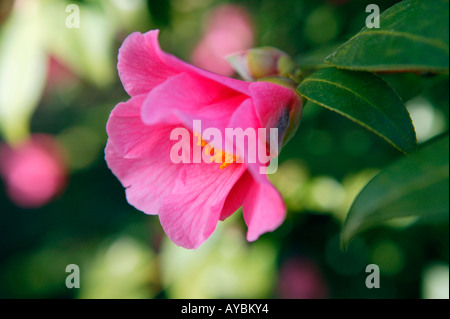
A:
[259, 63]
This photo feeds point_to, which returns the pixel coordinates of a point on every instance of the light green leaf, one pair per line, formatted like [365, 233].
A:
[364, 98]
[415, 186]
[23, 68]
[86, 50]
[413, 36]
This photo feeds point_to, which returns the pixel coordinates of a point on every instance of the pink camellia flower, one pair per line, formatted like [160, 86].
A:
[34, 171]
[167, 93]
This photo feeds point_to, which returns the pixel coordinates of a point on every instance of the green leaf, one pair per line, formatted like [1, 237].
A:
[86, 50]
[417, 185]
[23, 69]
[413, 36]
[314, 59]
[364, 98]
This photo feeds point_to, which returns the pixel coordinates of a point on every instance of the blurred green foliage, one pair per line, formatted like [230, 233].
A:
[123, 253]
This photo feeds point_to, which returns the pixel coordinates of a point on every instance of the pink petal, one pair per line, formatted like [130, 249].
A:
[187, 197]
[146, 181]
[264, 210]
[143, 65]
[132, 138]
[184, 98]
[190, 214]
[269, 108]
[271, 102]
[237, 196]
[263, 206]
[272, 106]
[246, 117]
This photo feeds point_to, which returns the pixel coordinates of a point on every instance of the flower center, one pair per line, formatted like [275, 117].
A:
[217, 156]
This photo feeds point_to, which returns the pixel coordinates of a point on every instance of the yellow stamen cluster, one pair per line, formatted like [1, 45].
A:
[217, 156]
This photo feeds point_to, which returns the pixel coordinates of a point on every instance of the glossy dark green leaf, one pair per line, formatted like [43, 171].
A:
[364, 98]
[413, 36]
[417, 185]
[315, 59]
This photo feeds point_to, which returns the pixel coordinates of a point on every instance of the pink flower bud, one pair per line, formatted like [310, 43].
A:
[259, 63]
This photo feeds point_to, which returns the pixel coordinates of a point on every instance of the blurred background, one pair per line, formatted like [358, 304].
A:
[60, 205]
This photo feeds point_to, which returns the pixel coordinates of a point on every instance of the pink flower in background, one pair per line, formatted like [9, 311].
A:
[34, 171]
[59, 76]
[301, 278]
[167, 93]
[229, 29]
